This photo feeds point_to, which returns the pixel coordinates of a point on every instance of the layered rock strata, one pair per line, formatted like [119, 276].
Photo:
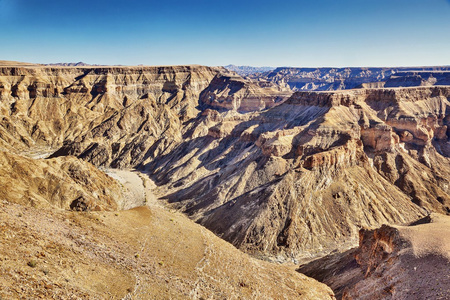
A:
[302, 177]
[114, 111]
[231, 92]
[296, 179]
[329, 79]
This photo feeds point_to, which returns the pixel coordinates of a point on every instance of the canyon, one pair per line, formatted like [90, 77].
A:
[330, 79]
[283, 174]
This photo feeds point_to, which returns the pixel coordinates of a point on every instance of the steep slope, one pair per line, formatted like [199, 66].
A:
[422, 78]
[231, 92]
[298, 179]
[115, 116]
[138, 106]
[402, 262]
[65, 183]
[303, 177]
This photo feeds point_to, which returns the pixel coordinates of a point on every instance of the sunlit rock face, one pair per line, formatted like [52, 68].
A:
[302, 177]
[279, 176]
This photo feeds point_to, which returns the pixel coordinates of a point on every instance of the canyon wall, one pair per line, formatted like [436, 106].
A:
[284, 178]
[329, 79]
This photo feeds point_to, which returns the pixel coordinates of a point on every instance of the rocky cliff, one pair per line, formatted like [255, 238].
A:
[288, 179]
[328, 79]
[58, 234]
[402, 262]
[302, 177]
[422, 78]
[231, 92]
[127, 110]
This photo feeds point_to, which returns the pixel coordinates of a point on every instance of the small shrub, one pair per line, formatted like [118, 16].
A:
[32, 263]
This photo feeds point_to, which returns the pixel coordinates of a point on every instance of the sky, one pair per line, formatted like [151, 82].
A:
[316, 33]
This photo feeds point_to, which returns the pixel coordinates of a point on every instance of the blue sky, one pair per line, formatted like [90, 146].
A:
[259, 33]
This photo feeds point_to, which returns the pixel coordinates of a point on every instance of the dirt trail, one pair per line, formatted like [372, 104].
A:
[136, 187]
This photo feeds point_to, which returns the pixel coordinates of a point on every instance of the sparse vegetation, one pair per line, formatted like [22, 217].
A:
[32, 263]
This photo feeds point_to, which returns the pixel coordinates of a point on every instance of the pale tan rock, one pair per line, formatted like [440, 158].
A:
[231, 92]
[406, 136]
[64, 182]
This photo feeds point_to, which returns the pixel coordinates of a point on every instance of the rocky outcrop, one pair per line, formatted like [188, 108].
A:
[100, 114]
[65, 183]
[423, 78]
[262, 180]
[402, 262]
[231, 92]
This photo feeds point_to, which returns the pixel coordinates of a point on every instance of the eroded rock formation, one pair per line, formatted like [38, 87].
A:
[231, 92]
[402, 262]
[303, 176]
[293, 178]
[329, 79]
[63, 182]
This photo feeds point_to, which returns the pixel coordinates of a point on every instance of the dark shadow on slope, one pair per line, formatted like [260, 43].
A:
[337, 270]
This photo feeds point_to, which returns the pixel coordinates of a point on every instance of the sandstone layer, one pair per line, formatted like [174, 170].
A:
[296, 179]
[304, 176]
[231, 92]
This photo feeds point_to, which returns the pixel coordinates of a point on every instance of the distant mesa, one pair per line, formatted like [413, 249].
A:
[331, 79]
[9, 63]
[248, 70]
[71, 64]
